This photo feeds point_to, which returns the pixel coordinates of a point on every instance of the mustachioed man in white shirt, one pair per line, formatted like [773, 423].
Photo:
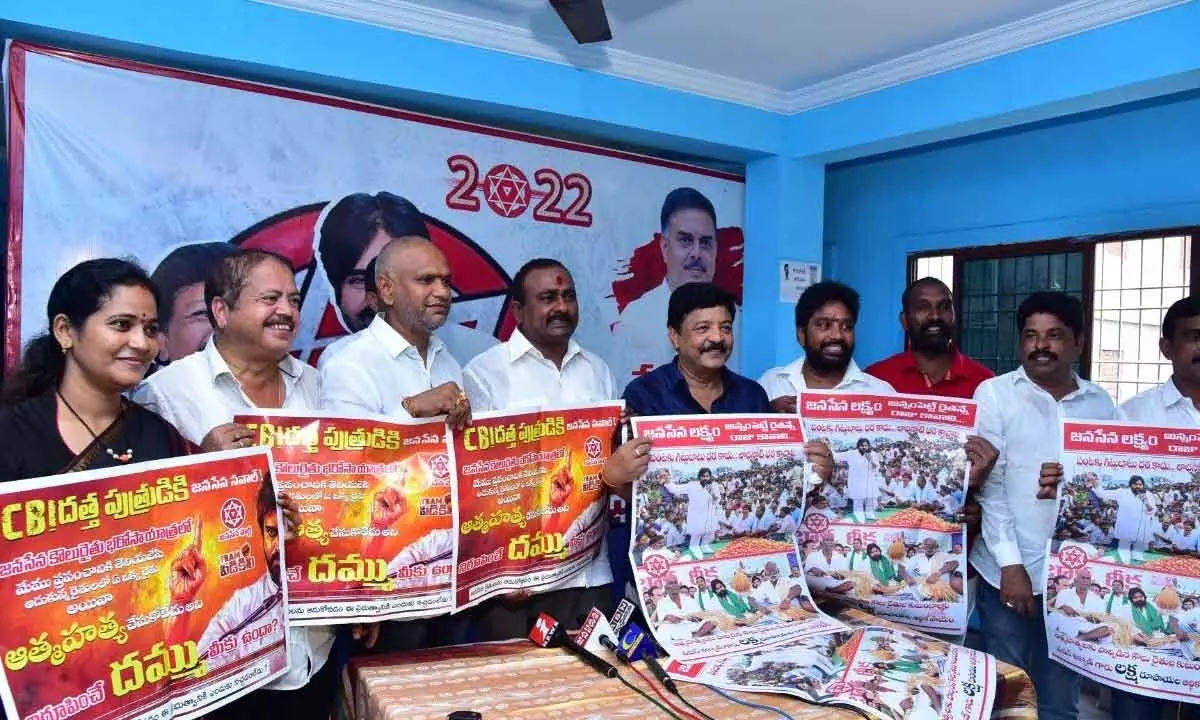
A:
[245, 367]
[1020, 413]
[1175, 403]
[398, 367]
[541, 365]
[1172, 404]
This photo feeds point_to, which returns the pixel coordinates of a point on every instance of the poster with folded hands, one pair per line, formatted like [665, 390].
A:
[376, 537]
[146, 591]
[1123, 576]
[713, 546]
[885, 532]
[529, 503]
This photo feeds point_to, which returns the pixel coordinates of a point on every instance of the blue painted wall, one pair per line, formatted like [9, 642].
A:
[1124, 170]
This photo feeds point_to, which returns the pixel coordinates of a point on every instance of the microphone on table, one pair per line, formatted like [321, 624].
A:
[548, 632]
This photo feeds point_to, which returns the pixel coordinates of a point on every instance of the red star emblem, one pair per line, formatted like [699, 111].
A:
[1073, 557]
[440, 465]
[233, 513]
[506, 190]
[815, 522]
[593, 447]
[657, 565]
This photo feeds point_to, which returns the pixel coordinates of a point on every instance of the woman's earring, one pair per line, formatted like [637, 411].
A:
[66, 347]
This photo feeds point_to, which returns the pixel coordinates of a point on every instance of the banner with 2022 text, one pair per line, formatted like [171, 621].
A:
[151, 591]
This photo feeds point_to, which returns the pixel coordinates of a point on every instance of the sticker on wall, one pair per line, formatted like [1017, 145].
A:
[795, 277]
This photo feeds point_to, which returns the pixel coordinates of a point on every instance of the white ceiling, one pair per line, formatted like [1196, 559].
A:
[780, 55]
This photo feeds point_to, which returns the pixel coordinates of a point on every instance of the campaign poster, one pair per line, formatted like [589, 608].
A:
[529, 503]
[885, 533]
[195, 166]
[147, 591]
[713, 547]
[1123, 576]
[376, 535]
[879, 671]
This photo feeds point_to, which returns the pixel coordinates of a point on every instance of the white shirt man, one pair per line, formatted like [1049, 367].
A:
[1163, 406]
[1091, 604]
[378, 369]
[788, 380]
[199, 392]
[1021, 420]
[1136, 521]
[835, 563]
[514, 374]
[703, 512]
[252, 607]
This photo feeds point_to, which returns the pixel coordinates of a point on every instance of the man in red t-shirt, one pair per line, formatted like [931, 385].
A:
[932, 364]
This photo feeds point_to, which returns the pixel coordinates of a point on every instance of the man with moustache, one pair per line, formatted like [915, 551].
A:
[932, 363]
[688, 224]
[184, 315]
[352, 234]
[1172, 404]
[1019, 414]
[253, 303]
[700, 328]
[542, 365]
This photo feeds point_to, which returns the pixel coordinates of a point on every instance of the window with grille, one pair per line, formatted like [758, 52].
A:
[1136, 280]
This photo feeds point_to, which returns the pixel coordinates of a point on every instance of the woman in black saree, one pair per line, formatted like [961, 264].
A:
[64, 410]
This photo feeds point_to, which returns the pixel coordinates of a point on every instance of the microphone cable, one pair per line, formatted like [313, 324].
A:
[664, 698]
[745, 703]
[641, 692]
[693, 708]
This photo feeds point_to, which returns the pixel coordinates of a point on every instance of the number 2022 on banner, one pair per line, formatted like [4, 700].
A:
[507, 191]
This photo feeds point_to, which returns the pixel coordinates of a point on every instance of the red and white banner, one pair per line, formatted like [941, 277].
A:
[182, 159]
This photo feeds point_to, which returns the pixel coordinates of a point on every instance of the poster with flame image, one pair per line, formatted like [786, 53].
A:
[529, 502]
[375, 538]
[148, 590]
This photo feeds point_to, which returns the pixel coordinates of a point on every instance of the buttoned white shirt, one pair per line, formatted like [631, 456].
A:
[376, 370]
[199, 392]
[1162, 406]
[1022, 421]
[788, 380]
[514, 375]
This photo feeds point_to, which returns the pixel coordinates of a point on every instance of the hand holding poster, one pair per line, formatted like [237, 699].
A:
[885, 532]
[713, 549]
[528, 498]
[151, 591]
[1122, 578]
[375, 539]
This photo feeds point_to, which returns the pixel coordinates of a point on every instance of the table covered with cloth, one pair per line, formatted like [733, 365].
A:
[519, 681]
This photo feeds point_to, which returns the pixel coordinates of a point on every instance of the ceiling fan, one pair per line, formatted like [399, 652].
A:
[585, 19]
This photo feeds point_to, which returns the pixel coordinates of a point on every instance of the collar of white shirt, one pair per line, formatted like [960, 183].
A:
[218, 368]
[854, 378]
[395, 344]
[1083, 388]
[1169, 394]
[518, 346]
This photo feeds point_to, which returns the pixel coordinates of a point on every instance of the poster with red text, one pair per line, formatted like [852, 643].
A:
[1123, 575]
[713, 547]
[375, 539]
[886, 533]
[529, 503]
[147, 591]
[882, 672]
